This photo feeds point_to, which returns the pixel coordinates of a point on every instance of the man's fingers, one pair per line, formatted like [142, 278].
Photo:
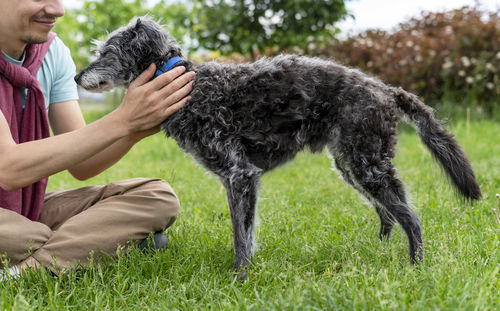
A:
[145, 76]
[166, 78]
[176, 85]
[180, 93]
[178, 105]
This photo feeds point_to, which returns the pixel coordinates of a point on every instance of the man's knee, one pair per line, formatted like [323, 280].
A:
[155, 198]
[165, 206]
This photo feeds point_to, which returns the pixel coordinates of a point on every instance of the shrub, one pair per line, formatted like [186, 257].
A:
[453, 55]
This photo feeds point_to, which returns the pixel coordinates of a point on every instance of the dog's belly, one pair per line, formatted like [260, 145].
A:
[266, 142]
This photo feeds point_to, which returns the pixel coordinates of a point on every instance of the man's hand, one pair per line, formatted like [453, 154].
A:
[148, 103]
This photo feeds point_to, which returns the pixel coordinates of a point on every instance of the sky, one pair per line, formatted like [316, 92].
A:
[383, 14]
[387, 14]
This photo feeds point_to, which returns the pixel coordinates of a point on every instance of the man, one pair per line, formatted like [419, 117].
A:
[62, 229]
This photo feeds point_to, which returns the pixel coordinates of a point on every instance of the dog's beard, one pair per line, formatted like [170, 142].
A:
[94, 82]
[103, 87]
[98, 88]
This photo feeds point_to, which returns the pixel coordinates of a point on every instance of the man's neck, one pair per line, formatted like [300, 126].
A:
[14, 51]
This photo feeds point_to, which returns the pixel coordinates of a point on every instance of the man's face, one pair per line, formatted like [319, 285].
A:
[29, 21]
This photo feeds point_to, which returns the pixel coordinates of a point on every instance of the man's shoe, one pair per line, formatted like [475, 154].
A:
[153, 243]
[9, 273]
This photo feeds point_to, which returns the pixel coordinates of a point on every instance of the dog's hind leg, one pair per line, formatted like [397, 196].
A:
[375, 176]
[386, 220]
[365, 164]
[241, 184]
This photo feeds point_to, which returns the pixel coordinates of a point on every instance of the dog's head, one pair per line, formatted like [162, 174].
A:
[126, 53]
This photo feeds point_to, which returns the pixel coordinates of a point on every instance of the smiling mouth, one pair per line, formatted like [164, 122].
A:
[48, 23]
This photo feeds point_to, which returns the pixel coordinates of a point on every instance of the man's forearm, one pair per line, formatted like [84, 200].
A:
[54, 154]
[109, 156]
[102, 160]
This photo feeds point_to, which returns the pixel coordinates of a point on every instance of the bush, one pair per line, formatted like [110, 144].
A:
[453, 55]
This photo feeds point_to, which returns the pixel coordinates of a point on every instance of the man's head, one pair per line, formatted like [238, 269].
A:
[25, 22]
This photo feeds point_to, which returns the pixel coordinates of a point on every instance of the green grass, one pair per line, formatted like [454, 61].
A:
[317, 241]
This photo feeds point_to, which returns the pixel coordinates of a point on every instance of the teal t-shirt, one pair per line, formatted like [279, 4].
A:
[56, 74]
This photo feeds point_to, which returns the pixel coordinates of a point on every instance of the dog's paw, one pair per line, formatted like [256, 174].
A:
[417, 255]
[240, 275]
[240, 269]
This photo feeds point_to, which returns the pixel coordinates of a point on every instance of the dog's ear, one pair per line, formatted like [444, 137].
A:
[138, 23]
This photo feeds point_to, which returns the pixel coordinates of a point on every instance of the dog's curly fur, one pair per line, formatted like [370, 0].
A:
[245, 119]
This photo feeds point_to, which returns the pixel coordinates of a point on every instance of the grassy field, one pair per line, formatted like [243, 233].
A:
[317, 241]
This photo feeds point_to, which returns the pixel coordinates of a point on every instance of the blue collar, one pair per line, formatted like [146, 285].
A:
[168, 65]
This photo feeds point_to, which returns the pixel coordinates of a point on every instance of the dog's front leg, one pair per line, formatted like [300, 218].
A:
[241, 187]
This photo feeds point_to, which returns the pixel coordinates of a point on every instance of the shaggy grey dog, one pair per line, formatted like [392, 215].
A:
[246, 119]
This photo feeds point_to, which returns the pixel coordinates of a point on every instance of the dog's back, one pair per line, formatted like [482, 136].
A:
[274, 107]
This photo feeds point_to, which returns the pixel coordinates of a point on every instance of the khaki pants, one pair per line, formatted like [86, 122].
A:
[96, 219]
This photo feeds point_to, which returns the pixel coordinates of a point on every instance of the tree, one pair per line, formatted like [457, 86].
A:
[250, 26]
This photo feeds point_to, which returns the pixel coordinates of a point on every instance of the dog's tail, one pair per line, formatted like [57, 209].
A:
[441, 143]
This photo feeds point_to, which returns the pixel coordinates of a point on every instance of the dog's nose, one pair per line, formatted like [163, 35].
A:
[78, 77]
